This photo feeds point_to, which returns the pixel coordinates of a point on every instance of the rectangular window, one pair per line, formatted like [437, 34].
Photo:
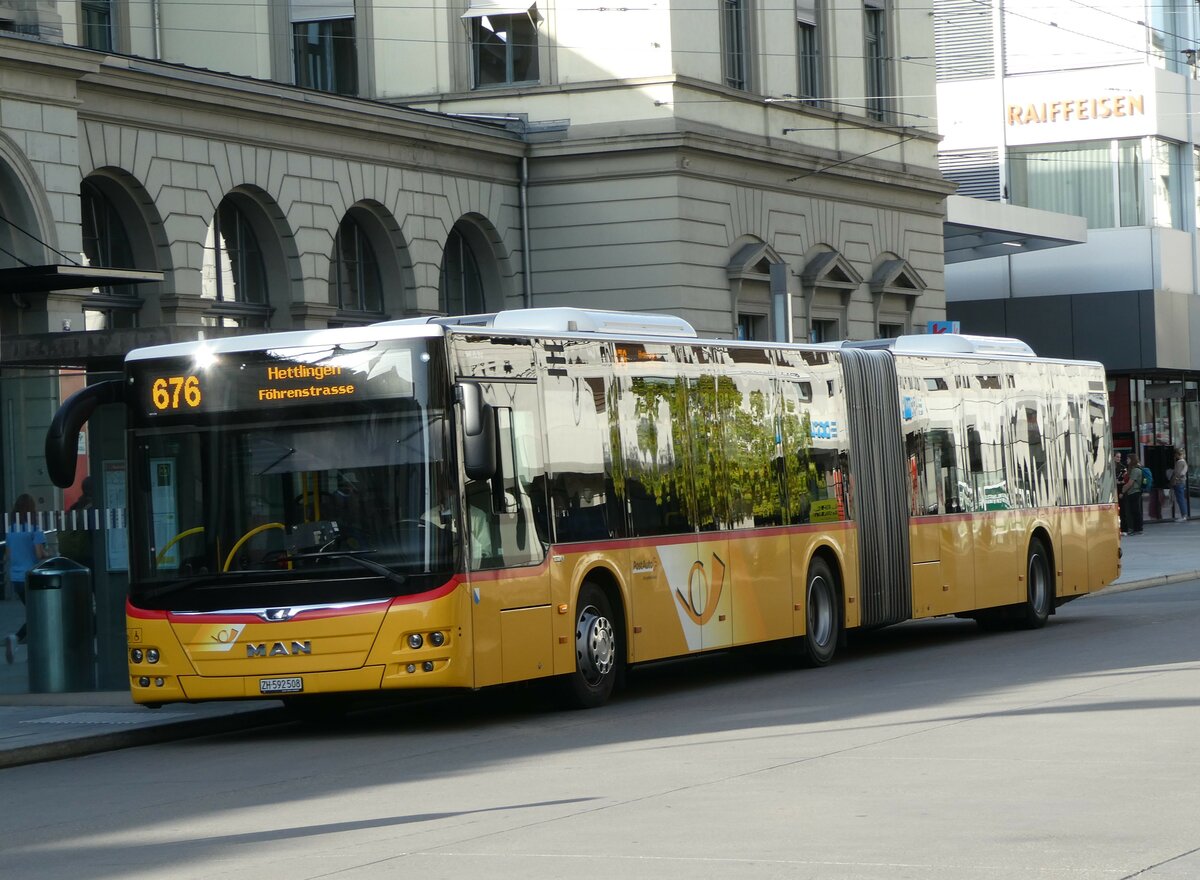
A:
[96, 24]
[890, 331]
[1168, 27]
[735, 55]
[877, 59]
[504, 48]
[1168, 203]
[824, 331]
[1196, 184]
[1102, 181]
[808, 51]
[1130, 183]
[751, 327]
[325, 56]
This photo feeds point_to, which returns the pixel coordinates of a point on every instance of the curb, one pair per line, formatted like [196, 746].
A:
[1145, 583]
[142, 736]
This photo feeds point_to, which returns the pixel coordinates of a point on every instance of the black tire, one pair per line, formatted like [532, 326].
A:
[1039, 587]
[599, 651]
[822, 615]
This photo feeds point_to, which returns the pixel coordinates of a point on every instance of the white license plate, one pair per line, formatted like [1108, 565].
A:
[280, 685]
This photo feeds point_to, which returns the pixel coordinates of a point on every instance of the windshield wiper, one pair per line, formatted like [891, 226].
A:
[290, 451]
[200, 580]
[355, 556]
[203, 581]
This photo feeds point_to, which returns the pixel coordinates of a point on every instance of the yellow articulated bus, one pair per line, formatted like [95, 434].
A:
[465, 502]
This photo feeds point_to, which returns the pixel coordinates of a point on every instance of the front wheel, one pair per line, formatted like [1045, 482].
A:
[598, 651]
[822, 615]
[1039, 587]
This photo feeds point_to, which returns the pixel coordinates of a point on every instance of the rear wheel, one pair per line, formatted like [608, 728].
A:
[1039, 587]
[599, 650]
[822, 615]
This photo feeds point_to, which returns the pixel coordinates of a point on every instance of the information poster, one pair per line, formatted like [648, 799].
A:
[166, 513]
[116, 535]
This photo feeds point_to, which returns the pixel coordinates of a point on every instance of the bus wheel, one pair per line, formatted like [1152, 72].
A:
[1038, 586]
[822, 617]
[598, 651]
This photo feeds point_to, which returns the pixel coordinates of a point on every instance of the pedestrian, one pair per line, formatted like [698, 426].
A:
[1120, 472]
[1131, 496]
[25, 545]
[1179, 486]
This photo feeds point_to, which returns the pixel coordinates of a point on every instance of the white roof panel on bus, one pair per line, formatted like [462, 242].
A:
[289, 339]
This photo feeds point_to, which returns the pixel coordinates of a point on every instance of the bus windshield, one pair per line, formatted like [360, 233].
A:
[343, 506]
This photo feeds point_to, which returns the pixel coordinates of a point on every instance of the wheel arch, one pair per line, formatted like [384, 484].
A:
[833, 557]
[1041, 532]
[610, 584]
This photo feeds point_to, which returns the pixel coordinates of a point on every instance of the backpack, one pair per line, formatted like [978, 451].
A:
[1147, 478]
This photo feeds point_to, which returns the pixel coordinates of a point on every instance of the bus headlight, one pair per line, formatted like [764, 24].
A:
[437, 639]
[136, 655]
[152, 655]
[415, 641]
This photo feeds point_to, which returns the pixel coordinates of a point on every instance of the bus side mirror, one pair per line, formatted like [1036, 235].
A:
[62, 437]
[479, 433]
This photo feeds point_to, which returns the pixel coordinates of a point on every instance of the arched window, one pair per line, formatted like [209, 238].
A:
[460, 286]
[234, 274]
[106, 245]
[355, 282]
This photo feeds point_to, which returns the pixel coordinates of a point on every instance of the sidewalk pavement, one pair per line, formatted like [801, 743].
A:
[43, 727]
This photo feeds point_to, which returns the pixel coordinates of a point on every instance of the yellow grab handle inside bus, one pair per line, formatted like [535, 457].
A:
[246, 537]
[162, 554]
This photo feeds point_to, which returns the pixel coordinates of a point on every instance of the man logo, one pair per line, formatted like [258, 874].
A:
[279, 649]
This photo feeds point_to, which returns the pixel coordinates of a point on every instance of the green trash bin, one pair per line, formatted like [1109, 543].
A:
[58, 611]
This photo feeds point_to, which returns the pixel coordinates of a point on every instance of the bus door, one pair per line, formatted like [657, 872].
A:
[507, 544]
[678, 566]
[705, 598]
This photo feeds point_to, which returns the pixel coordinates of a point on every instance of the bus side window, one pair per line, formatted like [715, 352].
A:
[584, 501]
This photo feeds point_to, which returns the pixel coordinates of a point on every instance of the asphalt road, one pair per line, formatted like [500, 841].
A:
[930, 750]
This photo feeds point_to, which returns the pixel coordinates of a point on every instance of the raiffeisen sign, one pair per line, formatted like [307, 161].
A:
[1083, 106]
[1079, 109]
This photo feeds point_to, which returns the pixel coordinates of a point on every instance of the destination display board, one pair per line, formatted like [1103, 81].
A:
[264, 380]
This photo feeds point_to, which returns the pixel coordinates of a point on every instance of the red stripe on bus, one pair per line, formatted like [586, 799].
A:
[720, 535]
[429, 595]
[1023, 512]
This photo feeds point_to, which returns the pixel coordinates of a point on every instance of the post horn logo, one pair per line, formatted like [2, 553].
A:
[700, 604]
